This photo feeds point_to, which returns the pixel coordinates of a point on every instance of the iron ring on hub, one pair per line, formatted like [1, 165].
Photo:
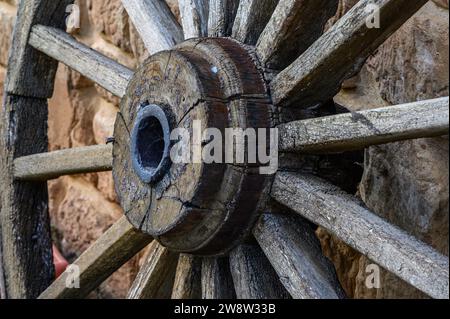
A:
[150, 144]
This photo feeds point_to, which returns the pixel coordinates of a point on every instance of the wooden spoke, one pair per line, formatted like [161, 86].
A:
[385, 244]
[293, 27]
[30, 73]
[24, 222]
[296, 255]
[251, 18]
[358, 130]
[118, 245]
[253, 275]
[317, 74]
[188, 278]
[46, 166]
[59, 45]
[217, 282]
[194, 17]
[221, 17]
[155, 23]
[156, 277]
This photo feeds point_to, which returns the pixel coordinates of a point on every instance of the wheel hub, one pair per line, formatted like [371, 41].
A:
[191, 206]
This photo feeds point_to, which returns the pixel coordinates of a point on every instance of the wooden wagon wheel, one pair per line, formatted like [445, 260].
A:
[218, 231]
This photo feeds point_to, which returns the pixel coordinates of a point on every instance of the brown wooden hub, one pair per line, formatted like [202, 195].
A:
[198, 208]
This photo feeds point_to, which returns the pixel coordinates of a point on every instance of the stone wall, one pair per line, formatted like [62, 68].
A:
[406, 183]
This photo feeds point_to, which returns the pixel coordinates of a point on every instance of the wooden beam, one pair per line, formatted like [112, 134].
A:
[156, 276]
[296, 255]
[359, 130]
[251, 18]
[194, 18]
[221, 17]
[315, 77]
[293, 27]
[26, 250]
[253, 275]
[112, 250]
[217, 282]
[188, 278]
[46, 166]
[344, 216]
[59, 45]
[155, 23]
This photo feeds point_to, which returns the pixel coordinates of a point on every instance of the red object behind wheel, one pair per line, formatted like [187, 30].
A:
[59, 261]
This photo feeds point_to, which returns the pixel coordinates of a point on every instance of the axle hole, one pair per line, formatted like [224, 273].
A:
[150, 142]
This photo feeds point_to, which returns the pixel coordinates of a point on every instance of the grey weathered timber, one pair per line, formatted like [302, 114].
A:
[31, 73]
[358, 130]
[251, 18]
[155, 23]
[156, 276]
[59, 45]
[221, 17]
[25, 228]
[25, 225]
[317, 74]
[253, 276]
[217, 282]
[2, 276]
[295, 253]
[344, 216]
[293, 27]
[194, 18]
[187, 283]
[46, 166]
[112, 250]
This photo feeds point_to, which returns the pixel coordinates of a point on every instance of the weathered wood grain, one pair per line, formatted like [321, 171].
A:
[25, 225]
[186, 211]
[25, 228]
[46, 166]
[342, 215]
[156, 276]
[293, 27]
[221, 17]
[155, 23]
[253, 275]
[59, 45]
[187, 283]
[3, 293]
[113, 249]
[317, 74]
[194, 18]
[251, 19]
[217, 282]
[295, 253]
[31, 73]
[358, 130]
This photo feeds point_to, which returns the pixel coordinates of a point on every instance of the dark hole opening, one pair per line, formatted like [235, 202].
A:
[150, 143]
